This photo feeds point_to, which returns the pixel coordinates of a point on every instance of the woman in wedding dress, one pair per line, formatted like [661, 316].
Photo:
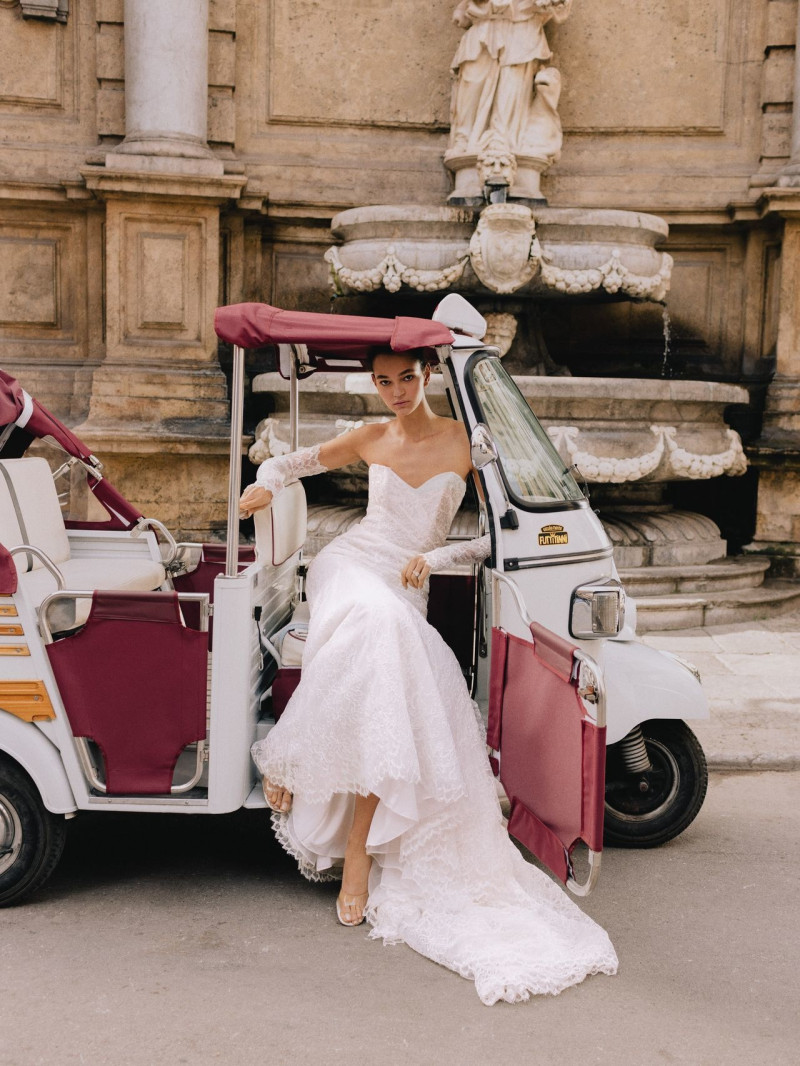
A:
[377, 771]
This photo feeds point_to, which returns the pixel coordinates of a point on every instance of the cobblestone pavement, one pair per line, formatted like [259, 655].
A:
[751, 675]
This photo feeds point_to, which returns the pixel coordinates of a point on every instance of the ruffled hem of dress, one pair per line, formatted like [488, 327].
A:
[491, 986]
[280, 826]
[288, 778]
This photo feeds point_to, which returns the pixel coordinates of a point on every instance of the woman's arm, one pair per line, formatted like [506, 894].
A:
[275, 473]
[416, 570]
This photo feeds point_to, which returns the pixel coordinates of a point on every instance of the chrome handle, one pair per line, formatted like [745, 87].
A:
[43, 558]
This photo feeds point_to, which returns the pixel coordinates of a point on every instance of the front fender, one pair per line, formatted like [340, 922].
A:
[644, 683]
[23, 743]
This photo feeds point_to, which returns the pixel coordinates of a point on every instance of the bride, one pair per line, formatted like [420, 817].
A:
[377, 770]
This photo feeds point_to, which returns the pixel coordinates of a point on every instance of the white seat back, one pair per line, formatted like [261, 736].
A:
[30, 512]
[281, 527]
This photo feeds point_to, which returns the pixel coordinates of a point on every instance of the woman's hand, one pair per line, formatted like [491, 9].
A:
[254, 498]
[415, 572]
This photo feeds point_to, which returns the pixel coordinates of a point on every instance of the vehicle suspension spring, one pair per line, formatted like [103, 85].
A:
[634, 752]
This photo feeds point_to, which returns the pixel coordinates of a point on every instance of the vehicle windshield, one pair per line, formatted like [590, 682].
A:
[533, 469]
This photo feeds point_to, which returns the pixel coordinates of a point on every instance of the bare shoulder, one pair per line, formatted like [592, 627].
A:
[351, 446]
[367, 435]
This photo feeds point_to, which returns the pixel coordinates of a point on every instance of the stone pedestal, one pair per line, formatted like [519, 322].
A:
[777, 452]
[158, 413]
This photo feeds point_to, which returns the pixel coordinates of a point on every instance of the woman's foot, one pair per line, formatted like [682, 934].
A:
[278, 799]
[352, 900]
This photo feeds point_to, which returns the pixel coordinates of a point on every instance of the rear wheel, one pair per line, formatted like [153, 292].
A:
[31, 838]
[650, 807]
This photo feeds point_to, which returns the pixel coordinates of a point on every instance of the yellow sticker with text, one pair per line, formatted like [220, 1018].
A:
[552, 534]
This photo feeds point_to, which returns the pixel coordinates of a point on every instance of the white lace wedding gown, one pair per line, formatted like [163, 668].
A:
[382, 707]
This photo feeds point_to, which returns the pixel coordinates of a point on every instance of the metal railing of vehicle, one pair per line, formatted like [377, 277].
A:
[81, 743]
[44, 559]
[593, 692]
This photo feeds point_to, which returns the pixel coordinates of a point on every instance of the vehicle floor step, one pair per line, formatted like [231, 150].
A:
[717, 608]
[740, 572]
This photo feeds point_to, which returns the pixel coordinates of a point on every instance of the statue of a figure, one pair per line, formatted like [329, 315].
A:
[505, 96]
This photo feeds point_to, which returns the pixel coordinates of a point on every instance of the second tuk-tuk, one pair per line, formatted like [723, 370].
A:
[115, 694]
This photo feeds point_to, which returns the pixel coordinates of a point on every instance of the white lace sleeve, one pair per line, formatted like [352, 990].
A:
[464, 551]
[275, 473]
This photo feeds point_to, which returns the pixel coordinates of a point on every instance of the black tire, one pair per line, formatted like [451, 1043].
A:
[644, 810]
[31, 838]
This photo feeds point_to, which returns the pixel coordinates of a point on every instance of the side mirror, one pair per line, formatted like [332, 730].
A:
[483, 452]
[457, 314]
[483, 449]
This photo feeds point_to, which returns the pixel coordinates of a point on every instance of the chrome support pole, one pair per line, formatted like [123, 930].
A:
[235, 473]
[294, 404]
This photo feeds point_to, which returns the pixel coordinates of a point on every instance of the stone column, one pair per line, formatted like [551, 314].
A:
[777, 452]
[166, 83]
[790, 175]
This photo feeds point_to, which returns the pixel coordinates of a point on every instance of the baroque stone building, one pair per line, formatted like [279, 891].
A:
[163, 156]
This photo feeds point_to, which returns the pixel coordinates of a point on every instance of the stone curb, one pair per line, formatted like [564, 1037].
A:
[742, 761]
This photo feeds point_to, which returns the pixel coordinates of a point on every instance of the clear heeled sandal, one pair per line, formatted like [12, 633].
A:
[343, 901]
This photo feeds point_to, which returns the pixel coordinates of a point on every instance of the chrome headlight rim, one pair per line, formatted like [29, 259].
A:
[583, 610]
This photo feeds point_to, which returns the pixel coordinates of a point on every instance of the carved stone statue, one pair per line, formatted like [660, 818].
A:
[505, 96]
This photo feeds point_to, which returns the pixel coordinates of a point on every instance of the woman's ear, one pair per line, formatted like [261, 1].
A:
[426, 374]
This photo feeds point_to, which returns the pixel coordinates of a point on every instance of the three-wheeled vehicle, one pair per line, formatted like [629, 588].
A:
[115, 697]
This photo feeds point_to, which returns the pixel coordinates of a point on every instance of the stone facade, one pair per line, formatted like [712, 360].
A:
[138, 191]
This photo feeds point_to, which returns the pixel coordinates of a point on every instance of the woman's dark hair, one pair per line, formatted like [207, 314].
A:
[414, 354]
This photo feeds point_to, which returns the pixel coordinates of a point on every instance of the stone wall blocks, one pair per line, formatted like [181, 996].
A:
[110, 11]
[221, 117]
[221, 60]
[778, 76]
[111, 111]
[777, 134]
[110, 61]
[781, 22]
[222, 15]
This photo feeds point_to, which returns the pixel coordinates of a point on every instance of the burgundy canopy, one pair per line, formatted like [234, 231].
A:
[23, 412]
[338, 336]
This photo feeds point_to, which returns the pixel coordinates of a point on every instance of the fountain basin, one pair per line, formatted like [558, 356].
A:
[616, 430]
[504, 248]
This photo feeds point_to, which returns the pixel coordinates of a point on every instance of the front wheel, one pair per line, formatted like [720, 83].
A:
[650, 807]
[31, 838]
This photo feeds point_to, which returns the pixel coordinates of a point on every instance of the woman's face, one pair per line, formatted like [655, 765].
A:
[400, 380]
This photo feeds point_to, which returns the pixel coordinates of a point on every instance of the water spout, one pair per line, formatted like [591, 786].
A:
[666, 367]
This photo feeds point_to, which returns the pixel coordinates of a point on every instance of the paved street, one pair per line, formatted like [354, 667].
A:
[188, 940]
[751, 675]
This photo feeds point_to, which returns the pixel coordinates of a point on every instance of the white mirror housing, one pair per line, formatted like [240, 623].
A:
[455, 313]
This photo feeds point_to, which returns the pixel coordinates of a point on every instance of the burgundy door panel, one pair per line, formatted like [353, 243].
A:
[552, 757]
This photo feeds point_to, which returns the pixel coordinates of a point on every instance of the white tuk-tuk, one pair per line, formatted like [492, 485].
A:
[115, 694]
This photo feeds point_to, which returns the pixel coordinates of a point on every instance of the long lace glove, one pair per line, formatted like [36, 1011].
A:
[463, 551]
[275, 474]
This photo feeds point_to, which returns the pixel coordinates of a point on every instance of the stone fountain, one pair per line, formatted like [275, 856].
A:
[499, 243]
